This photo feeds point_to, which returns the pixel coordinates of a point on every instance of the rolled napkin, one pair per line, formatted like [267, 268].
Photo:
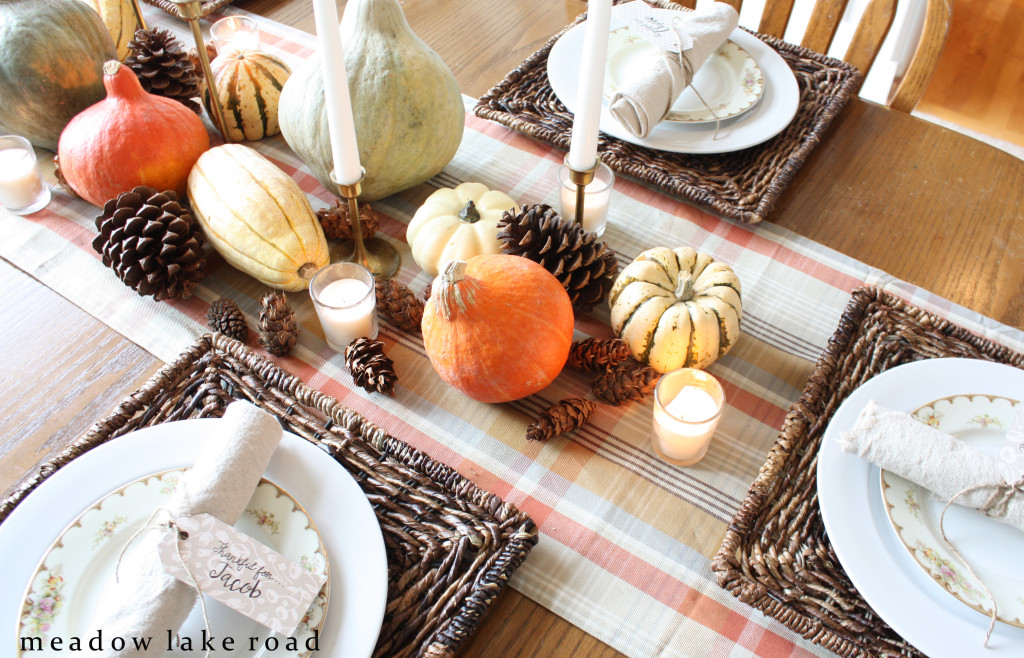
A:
[145, 601]
[949, 468]
[645, 99]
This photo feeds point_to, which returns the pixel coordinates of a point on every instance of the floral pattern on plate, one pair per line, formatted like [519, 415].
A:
[71, 576]
[730, 81]
[914, 514]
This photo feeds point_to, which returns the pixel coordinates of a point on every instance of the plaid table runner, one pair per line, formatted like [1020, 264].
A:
[626, 540]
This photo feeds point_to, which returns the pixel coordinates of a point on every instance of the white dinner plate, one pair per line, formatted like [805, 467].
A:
[343, 515]
[730, 82]
[993, 550]
[854, 515]
[778, 105]
[71, 579]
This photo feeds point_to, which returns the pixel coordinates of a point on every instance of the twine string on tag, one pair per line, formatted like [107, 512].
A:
[996, 505]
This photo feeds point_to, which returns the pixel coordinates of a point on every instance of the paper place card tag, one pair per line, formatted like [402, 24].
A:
[239, 571]
[1011, 456]
[655, 25]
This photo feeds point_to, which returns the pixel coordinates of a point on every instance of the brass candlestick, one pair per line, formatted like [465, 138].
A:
[191, 11]
[581, 179]
[376, 255]
[138, 15]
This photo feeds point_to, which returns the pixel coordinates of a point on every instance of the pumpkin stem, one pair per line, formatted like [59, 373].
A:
[111, 67]
[452, 295]
[307, 271]
[470, 214]
[684, 288]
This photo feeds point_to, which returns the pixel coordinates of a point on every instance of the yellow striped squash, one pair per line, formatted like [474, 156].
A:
[249, 86]
[676, 308]
[257, 217]
[119, 17]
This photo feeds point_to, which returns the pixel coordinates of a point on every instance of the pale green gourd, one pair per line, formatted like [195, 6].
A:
[406, 104]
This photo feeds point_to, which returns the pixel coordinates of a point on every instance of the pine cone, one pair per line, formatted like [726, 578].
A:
[586, 267]
[370, 367]
[197, 66]
[337, 226]
[595, 355]
[278, 330]
[152, 243]
[225, 316]
[399, 305]
[60, 178]
[558, 419]
[625, 382]
[427, 290]
[163, 67]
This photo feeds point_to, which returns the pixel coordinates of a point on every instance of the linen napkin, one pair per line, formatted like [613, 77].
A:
[645, 99]
[949, 468]
[145, 601]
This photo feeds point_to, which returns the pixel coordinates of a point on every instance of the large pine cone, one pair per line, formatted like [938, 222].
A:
[163, 67]
[277, 327]
[586, 267]
[152, 243]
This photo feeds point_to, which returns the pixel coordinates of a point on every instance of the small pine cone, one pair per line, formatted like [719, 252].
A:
[558, 419]
[278, 330]
[625, 382]
[370, 367]
[152, 243]
[595, 355]
[197, 66]
[225, 316]
[586, 267]
[426, 291]
[399, 305]
[337, 226]
[163, 67]
[60, 178]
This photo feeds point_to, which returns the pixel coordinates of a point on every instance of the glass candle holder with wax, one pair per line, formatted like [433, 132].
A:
[346, 303]
[22, 190]
[688, 404]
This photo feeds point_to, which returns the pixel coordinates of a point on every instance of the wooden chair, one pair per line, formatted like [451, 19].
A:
[867, 39]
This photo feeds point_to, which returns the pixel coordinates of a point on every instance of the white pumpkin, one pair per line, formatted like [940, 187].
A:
[457, 224]
[676, 308]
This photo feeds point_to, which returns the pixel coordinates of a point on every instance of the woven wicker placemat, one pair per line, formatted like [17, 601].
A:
[743, 185]
[207, 6]
[451, 547]
[775, 555]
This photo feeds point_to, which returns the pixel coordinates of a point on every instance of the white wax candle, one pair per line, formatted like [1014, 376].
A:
[683, 427]
[583, 147]
[344, 147]
[346, 312]
[20, 182]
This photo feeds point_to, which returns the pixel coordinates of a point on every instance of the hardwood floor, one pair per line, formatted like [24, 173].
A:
[979, 83]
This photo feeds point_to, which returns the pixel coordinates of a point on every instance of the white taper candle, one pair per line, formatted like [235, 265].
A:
[583, 147]
[344, 147]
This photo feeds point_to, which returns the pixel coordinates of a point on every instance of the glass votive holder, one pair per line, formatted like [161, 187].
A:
[346, 303]
[688, 404]
[597, 195]
[22, 189]
[235, 33]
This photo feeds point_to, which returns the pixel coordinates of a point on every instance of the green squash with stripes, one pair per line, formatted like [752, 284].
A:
[248, 84]
[676, 308]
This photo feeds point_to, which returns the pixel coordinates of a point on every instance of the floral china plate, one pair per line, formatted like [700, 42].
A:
[67, 585]
[730, 81]
[992, 549]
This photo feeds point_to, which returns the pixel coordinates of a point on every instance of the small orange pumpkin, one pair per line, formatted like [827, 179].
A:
[129, 139]
[497, 327]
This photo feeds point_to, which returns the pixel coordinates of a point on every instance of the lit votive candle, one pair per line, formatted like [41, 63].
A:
[346, 303]
[596, 198]
[22, 190]
[235, 33]
[687, 406]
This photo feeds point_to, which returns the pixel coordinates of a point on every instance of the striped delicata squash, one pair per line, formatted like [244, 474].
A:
[120, 19]
[256, 217]
[249, 84]
[676, 308]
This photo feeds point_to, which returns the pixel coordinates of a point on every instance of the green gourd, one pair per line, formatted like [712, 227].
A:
[406, 105]
[51, 65]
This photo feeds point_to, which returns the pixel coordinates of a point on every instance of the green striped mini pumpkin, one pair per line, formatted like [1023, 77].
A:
[249, 86]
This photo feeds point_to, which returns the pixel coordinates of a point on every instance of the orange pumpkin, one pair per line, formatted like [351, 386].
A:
[129, 139]
[497, 327]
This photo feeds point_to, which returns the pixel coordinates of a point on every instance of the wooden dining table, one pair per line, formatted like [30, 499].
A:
[921, 202]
